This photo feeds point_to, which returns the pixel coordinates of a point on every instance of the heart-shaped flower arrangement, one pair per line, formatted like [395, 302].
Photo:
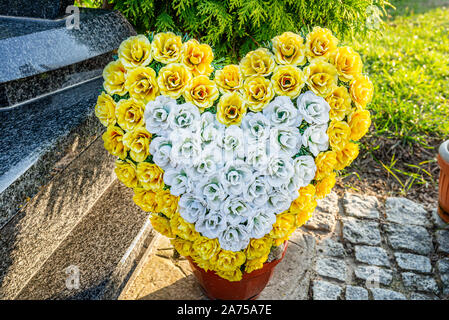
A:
[230, 159]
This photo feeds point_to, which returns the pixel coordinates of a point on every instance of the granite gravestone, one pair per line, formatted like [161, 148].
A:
[53, 168]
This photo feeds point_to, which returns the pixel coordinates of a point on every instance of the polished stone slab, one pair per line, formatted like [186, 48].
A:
[49, 9]
[29, 47]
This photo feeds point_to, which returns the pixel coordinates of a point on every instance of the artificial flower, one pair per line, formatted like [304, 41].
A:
[325, 185]
[135, 52]
[105, 109]
[114, 78]
[227, 260]
[255, 264]
[229, 79]
[347, 62]
[113, 142]
[288, 81]
[325, 163]
[321, 77]
[206, 248]
[312, 108]
[166, 203]
[282, 111]
[201, 91]
[197, 57]
[285, 222]
[126, 173]
[316, 139]
[145, 199]
[258, 62]
[234, 275]
[141, 84]
[231, 109]
[346, 155]
[138, 143]
[184, 247]
[182, 228]
[320, 43]
[161, 225]
[361, 90]
[150, 176]
[338, 133]
[166, 47]
[359, 121]
[258, 247]
[129, 114]
[234, 237]
[156, 115]
[191, 207]
[258, 92]
[340, 103]
[172, 79]
[289, 49]
[259, 224]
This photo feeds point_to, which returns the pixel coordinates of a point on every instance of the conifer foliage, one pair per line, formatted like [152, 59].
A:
[234, 27]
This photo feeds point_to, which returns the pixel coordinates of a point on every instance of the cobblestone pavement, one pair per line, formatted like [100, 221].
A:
[354, 248]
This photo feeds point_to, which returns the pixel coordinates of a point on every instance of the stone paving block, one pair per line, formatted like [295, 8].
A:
[361, 206]
[329, 247]
[385, 294]
[372, 255]
[407, 237]
[361, 232]
[405, 211]
[323, 290]
[356, 293]
[439, 223]
[442, 237]
[331, 267]
[443, 268]
[420, 296]
[325, 215]
[413, 262]
[419, 282]
[374, 275]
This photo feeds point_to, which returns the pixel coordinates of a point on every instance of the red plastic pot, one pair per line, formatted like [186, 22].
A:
[249, 288]
[443, 197]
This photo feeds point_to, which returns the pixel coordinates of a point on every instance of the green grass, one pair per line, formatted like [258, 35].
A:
[409, 66]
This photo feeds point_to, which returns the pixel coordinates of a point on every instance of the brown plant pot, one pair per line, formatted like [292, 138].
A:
[249, 288]
[443, 197]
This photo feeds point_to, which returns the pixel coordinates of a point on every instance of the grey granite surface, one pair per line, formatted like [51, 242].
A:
[46, 9]
[29, 47]
[96, 247]
[38, 137]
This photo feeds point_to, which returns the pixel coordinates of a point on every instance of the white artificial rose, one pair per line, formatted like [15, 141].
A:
[160, 149]
[236, 176]
[234, 238]
[191, 207]
[178, 180]
[156, 115]
[236, 210]
[211, 225]
[314, 109]
[282, 111]
[279, 170]
[256, 157]
[285, 140]
[278, 202]
[315, 138]
[305, 169]
[260, 223]
[256, 127]
[186, 148]
[233, 143]
[290, 188]
[213, 191]
[184, 116]
[257, 191]
[208, 163]
[211, 131]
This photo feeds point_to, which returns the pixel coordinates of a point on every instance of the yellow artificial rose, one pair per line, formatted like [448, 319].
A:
[288, 81]
[347, 62]
[182, 228]
[141, 84]
[206, 248]
[320, 43]
[359, 121]
[172, 79]
[229, 79]
[201, 91]
[258, 247]
[197, 57]
[321, 77]
[346, 155]
[285, 224]
[114, 78]
[129, 114]
[105, 109]
[126, 173]
[145, 199]
[289, 48]
[135, 52]
[184, 247]
[161, 225]
[166, 47]
[258, 62]
[113, 142]
[138, 142]
[340, 102]
[325, 163]
[304, 205]
[231, 109]
[324, 186]
[150, 176]
[166, 203]
[258, 92]
[234, 275]
[361, 90]
[227, 260]
[256, 263]
[338, 133]
[204, 264]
